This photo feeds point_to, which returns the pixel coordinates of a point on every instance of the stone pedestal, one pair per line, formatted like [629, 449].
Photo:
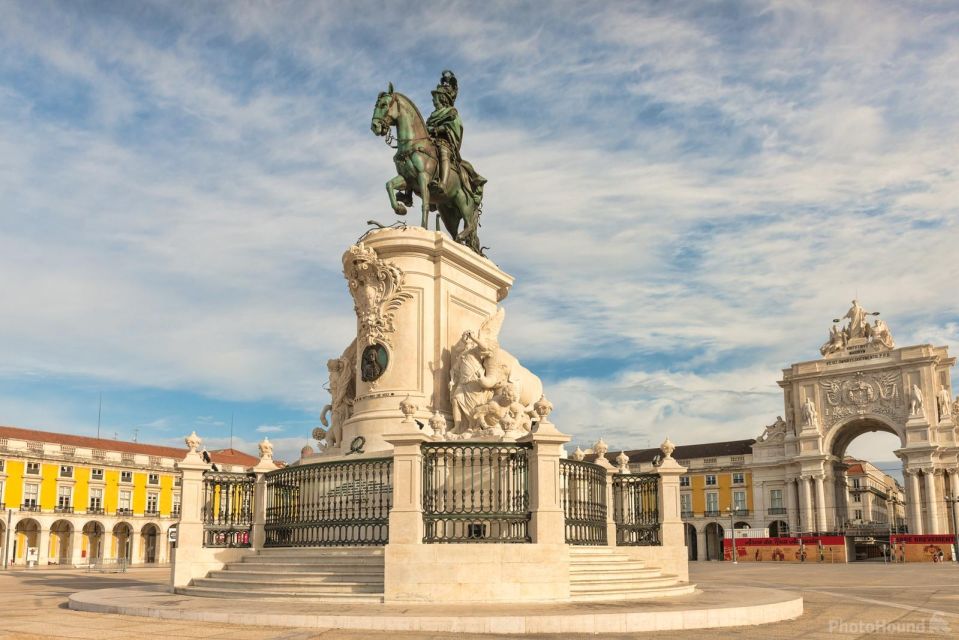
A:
[442, 289]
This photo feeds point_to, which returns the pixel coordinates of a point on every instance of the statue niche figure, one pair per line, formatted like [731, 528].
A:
[343, 391]
[428, 161]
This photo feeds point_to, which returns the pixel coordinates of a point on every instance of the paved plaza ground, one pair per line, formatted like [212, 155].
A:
[842, 601]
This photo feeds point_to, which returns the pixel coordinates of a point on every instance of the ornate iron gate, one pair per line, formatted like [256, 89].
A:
[583, 488]
[636, 509]
[476, 492]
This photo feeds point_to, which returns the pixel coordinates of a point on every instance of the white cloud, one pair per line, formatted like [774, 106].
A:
[265, 428]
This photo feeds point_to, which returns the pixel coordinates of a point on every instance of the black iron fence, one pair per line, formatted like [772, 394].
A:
[636, 509]
[476, 492]
[330, 504]
[227, 508]
[583, 489]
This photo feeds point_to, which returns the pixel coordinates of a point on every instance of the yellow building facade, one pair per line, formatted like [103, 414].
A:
[75, 500]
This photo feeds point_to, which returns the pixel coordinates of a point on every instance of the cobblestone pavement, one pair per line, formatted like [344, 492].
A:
[842, 602]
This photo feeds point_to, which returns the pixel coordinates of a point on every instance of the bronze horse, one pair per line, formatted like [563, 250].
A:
[416, 163]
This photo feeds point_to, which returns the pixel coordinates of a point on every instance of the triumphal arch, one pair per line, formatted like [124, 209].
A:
[865, 383]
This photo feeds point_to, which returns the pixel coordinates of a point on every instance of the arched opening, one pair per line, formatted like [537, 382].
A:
[866, 494]
[741, 525]
[92, 541]
[61, 542]
[27, 536]
[123, 541]
[690, 532]
[714, 541]
[150, 536]
[779, 529]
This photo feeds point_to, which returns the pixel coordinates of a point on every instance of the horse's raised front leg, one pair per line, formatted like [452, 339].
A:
[392, 186]
[423, 180]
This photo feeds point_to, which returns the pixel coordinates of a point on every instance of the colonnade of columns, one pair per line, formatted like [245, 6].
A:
[926, 492]
[82, 546]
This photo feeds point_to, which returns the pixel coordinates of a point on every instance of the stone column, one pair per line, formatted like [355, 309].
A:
[701, 544]
[805, 500]
[190, 530]
[670, 514]
[792, 505]
[406, 515]
[548, 523]
[820, 505]
[264, 466]
[913, 498]
[933, 501]
[43, 547]
[76, 547]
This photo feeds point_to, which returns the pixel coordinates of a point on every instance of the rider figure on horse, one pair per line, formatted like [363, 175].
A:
[446, 129]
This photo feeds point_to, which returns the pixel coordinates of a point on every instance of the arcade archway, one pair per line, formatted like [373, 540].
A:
[93, 541]
[61, 541]
[691, 546]
[714, 541]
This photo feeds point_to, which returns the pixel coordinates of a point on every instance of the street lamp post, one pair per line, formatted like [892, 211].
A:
[954, 500]
[732, 533]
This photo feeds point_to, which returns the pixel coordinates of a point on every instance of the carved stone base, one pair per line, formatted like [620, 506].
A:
[436, 290]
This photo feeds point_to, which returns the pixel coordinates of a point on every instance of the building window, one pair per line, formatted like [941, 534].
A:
[178, 481]
[64, 497]
[686, 504]
[66, 471]
[126, 476]
[153, 478]
[2, 463]
[31, 492]
[176, 504]
[712, 503]
[124, 506]
[96, 499]
[739, 500]
[684, 481]
[710, 480]
[739, 477]
[855, 483]
[33, 468]
[96, 474]
[776, 498]
[153, 502]
[1, 493]
[856, 497]
[858, 514]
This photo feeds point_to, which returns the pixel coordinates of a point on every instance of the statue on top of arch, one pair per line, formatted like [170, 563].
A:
[857, 334]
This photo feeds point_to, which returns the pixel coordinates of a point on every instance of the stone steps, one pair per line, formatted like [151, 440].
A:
[602, 573]
[281, 595]
[342, 574]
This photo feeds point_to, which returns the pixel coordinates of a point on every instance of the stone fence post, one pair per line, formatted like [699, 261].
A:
[264, 466]
[670, 518]
[600, 448]
[548, 522]
[190, 528]
[406, 514]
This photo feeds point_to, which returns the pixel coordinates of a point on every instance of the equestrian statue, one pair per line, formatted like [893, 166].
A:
[428, 160]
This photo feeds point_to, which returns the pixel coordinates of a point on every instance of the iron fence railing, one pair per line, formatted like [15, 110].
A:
[227, 508]
[327, 504]
[476, 492]
[636, 509]
[583, 490]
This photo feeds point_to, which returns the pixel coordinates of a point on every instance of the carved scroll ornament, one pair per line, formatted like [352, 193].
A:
[377, 290]
[879, 393]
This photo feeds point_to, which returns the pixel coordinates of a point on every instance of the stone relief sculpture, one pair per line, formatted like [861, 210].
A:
[377, 290]
[915, 401]
[491, 393]
[857, 333]
[861, 394]
[944, 403]
[955, 407]
[343, 391]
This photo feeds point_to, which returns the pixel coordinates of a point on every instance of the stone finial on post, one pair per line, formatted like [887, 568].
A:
[622, 462]
[409, 408]
[190, 528]
[548, 523]
[670, 517]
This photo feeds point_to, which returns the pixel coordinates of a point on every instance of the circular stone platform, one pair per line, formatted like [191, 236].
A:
[707, 608]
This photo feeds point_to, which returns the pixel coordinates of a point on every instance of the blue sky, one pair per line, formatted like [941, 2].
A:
[687, 194]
